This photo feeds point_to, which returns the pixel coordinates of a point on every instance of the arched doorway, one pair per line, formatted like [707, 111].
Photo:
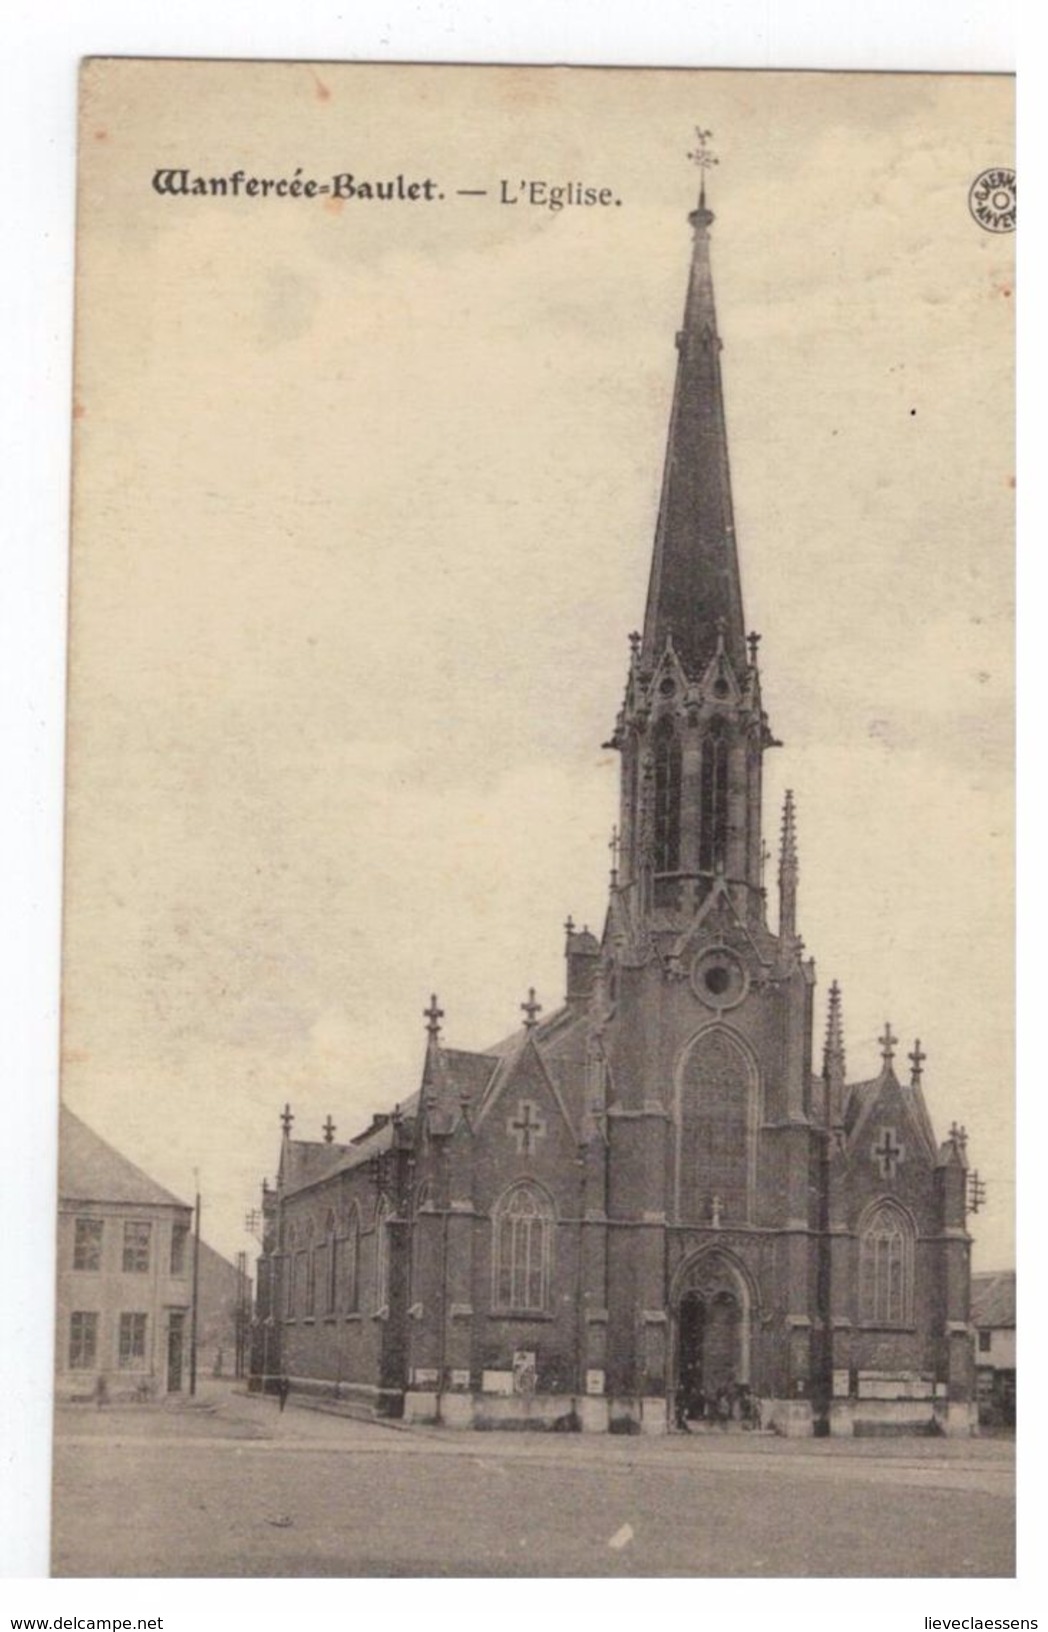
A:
[712, 1331]
[709, 1358]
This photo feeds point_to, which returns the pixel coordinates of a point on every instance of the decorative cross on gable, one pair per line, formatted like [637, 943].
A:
[916, 1059]
[328, 1130]
[433, 1016]
[887, 1042]
[887, 1154]
[286, 1119]
[529, 1127]
[531, 1010]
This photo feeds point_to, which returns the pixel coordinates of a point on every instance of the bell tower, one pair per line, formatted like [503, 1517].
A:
[692, 731]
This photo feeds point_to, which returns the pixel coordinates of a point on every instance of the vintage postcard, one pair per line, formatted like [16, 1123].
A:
[538, 906]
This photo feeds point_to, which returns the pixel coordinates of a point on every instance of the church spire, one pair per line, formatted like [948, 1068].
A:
[694, 588]
[692, 729]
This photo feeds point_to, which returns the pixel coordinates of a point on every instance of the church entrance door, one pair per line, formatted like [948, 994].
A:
[712, 1318]
[709, 1348]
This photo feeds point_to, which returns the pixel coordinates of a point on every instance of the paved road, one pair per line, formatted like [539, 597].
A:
[235, 1489]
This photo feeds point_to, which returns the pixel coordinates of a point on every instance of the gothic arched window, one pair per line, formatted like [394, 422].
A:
[667, 798]
[886, 1267]
[717, 1131]
[382, 1256]
[331, 1267]
[351, 1263]
[310, 1256]
[522, 1250]
[713, 809]
[290, 1263]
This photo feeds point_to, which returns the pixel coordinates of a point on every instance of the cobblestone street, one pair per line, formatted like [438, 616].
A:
[232, 1488]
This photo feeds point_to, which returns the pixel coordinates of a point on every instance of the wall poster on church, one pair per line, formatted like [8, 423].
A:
[538, 878]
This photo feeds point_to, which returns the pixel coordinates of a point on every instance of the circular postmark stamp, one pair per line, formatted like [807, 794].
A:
[991, 199]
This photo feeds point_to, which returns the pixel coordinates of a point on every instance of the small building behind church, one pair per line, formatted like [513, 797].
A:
[993, 1317]
[658, 1201]
[125, 1278]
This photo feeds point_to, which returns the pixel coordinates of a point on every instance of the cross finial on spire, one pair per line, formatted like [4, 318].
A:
[887, 1042]
[702, 156]
[531, 1010]
[328, 1130]
[433, 1016]
[753, 641]
[286, 1119]
[916, 1059]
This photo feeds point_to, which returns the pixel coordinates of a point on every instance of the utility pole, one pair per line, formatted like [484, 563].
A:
[196, 1291]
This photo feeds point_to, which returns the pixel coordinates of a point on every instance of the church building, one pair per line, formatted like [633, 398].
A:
[664, 1195]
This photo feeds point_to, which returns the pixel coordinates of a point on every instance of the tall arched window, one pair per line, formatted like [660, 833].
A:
[886, 1267]
[717, 1134]
[290, 1265]
[522, 1250]
[382, 1256]
[331, 1268]
[310, 1257]
[351, 1263]
[667, 798]
[713, 809]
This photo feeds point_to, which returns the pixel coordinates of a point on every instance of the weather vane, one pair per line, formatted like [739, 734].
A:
[702, 156]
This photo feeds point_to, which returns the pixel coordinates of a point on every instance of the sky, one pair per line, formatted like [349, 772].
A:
[363, 507]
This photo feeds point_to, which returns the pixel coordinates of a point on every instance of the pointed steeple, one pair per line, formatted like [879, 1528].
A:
[692, 729]
[788, 870]
[694, 584]
[833, 1066]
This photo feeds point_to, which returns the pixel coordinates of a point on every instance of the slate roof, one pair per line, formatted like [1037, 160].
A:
[89, 1169]
[993, 1298]
[307, 1160]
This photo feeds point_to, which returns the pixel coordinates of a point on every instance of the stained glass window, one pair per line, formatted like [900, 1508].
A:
[886, 1268]
[523, 1250]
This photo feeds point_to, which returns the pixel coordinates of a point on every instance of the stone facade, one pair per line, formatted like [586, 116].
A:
[650, 1200]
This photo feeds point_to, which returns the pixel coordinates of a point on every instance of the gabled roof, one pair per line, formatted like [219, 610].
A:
[993, 1298]
[469, 1073]
[89, 1169]
[861, 1099]
[304, 1161]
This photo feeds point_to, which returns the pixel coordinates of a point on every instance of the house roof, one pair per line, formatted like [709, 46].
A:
[89, 1169]
[993, 1298]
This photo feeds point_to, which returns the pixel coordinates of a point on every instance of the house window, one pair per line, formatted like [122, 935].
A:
[985, 1342]
[523, 1246]
[886, 1268]
[179, 1238]
[131, 1351]
[351, 1265]
[136, 1247]
[83, 1340]
[87, 1244]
